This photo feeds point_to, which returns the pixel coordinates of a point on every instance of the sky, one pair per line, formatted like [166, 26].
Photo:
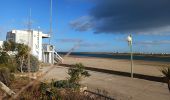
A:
[93, 25]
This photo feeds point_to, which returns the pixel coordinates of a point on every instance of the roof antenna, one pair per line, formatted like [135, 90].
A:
[29, 21]
[29, 42]
[50, 33]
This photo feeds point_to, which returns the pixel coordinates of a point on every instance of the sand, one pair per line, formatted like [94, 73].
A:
[140, 67]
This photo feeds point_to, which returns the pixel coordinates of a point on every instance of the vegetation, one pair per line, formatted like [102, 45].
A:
[166, 72]
[7, 61]
[9, 46]
[15, 56]
[5, 76]
[34, 63]
[4, 58]
[56, 90]
[60, 90]
[76, 73]
[45, 91]
[22, 55]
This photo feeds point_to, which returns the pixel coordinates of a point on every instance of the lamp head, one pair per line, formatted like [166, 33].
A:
[129, 38]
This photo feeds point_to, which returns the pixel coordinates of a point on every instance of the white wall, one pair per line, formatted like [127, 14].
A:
[34, 40]
[1, 43]
[31, 38]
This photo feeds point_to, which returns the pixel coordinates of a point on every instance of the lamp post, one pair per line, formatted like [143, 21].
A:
[129, 39]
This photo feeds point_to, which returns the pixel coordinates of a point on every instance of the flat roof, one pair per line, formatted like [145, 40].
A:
[43, 34]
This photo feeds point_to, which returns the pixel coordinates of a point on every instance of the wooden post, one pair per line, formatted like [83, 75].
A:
[6, 89]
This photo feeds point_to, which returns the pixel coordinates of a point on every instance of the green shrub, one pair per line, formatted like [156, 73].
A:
[12, 67]
[4, 58]
[66, 84]
[77, 72]
[7, 61]
[9, 45]
[19, 60]
[34, 63]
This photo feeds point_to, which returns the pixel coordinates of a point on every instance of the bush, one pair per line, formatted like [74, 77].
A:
[34, 64]
[9, 45]
[66, 84]
[21, 58]
[7, 61]
[5, 76]
[11, 67]
[77, 72]
[4, 58]
[56, 90]
[44, 91]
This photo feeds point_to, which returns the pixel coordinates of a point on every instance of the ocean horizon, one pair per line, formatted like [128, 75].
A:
[126, 56]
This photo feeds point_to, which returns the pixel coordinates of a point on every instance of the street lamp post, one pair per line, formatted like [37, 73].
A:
[129, 39]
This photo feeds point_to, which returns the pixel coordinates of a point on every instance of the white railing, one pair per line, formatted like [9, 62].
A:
[57, 56]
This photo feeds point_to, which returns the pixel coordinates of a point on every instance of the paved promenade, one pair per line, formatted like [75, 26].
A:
[119, 87]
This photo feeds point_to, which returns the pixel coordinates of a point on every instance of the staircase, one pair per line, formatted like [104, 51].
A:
[57, 58]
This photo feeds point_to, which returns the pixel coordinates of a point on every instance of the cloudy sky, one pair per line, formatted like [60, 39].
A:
[94, 25]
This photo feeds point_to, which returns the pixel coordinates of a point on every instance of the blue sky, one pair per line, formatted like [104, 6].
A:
[85, 21]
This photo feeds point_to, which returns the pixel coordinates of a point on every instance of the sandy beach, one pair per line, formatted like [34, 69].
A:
[141, 67]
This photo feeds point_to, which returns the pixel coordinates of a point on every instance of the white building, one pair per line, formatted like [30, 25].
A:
[1, 43]
[44, 52]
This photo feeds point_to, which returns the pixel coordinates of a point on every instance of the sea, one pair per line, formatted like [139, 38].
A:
[121, 56]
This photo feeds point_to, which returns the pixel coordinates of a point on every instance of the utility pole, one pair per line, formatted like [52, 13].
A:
[29, 20]
[50, 33]
[29, 41]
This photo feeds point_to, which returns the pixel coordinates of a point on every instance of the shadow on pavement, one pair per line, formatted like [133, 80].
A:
[127, 74]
